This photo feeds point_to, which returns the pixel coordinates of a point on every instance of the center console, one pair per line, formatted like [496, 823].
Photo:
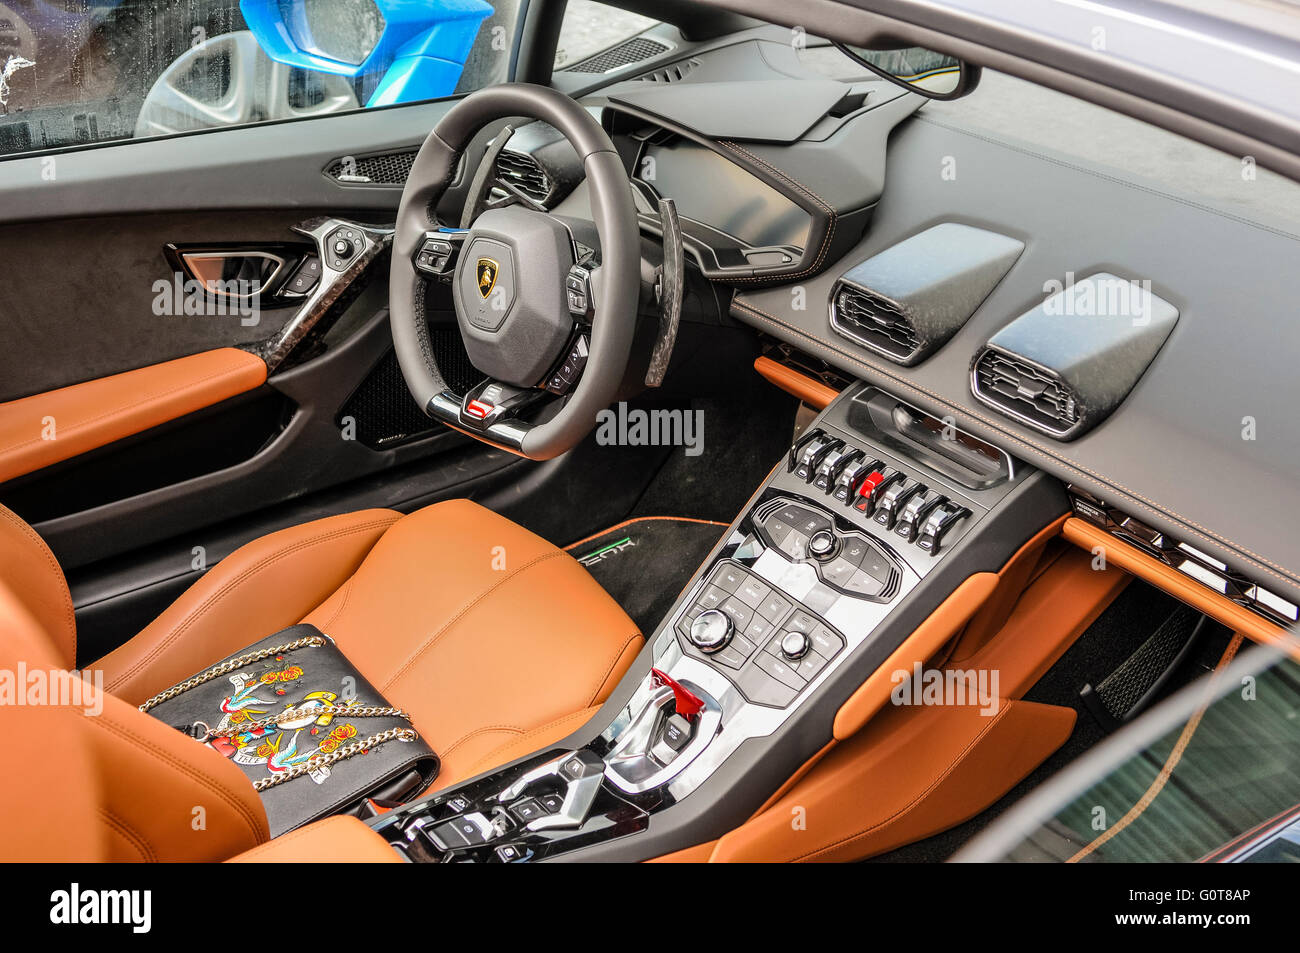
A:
[877, 514]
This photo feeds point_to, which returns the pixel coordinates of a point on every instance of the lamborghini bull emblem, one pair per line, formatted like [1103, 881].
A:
[487, 276]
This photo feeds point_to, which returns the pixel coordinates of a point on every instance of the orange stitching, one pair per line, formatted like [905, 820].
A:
[832, 218]
[609, 668]
[128, 834]
[584, 714]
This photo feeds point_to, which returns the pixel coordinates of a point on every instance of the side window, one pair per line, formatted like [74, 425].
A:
[74, 72]
[589, 28]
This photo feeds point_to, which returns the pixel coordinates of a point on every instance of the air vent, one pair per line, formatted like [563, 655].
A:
[1028, 393]
[907, 301]
[389, 168]
[523, 173]
[625, 54]
[671, 74]
[1064, 365]
[875, 322]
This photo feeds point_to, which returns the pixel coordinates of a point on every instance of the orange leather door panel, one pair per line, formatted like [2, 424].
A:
[46, 428]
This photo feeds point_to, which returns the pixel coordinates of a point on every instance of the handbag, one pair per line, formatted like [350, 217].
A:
[312, 734]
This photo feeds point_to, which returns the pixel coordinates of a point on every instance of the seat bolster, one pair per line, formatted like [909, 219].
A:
[50, 788]
[36, 581]
[164, 797]
[260, 588]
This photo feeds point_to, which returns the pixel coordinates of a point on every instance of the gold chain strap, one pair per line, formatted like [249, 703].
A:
[225, 668]
[347, 751]
[313, 711]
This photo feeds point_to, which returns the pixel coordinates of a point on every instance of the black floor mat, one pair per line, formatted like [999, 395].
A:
[644, 563]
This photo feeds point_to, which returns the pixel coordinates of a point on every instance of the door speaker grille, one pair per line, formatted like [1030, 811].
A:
[385, 414]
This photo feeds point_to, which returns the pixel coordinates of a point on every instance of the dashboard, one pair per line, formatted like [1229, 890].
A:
[1189, 450]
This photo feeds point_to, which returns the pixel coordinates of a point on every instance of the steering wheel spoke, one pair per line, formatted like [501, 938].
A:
[491, 411]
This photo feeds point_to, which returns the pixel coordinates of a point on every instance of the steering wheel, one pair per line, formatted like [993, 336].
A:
[529, 299]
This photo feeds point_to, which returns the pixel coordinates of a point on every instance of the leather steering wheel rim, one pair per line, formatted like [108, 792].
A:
[615, 285]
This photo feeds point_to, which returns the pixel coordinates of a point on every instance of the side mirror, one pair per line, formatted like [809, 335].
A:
[931, 74]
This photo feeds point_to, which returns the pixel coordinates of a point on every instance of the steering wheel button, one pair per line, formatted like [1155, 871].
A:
[479, 409]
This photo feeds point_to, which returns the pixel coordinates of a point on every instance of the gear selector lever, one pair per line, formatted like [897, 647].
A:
[685, 702]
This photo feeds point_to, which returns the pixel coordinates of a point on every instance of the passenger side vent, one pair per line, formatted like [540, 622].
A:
[671, 74]
[1063, 366]
[389, 168]
[523, 173]
[874, 321]
[1025, 392]
[625, 54]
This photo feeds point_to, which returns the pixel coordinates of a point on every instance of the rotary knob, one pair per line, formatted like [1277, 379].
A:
[795, 645]
[342, 247]
[822, 545]
[711, 631]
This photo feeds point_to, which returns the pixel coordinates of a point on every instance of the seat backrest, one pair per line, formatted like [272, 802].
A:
[35, 580]
[89, 776]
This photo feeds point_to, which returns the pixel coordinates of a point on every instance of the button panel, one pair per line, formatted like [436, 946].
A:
[577, 291]
[778, 645]
[852, 477]
[343, 246]
[853, 564]
[435, 256]
[566, 375]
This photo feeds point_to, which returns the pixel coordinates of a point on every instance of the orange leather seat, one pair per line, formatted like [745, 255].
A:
[494, 640]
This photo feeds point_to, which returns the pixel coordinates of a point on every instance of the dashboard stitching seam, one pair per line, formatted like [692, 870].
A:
[1284, 574]
[830, 211]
